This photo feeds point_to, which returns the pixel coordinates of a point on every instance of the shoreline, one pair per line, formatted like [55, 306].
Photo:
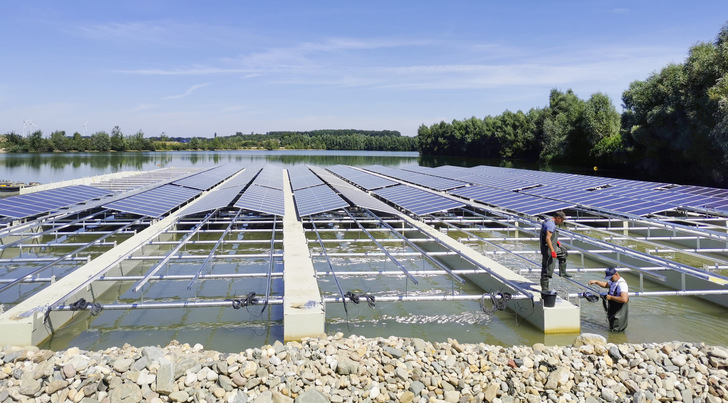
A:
[358, 369]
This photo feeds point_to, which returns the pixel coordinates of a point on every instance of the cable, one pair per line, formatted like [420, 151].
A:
[245, 301]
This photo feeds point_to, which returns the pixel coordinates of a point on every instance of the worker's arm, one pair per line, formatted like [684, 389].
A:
[622, 298]
[548, 241]
[602, 284]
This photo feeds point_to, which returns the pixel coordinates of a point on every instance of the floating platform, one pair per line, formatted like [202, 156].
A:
[108, 243]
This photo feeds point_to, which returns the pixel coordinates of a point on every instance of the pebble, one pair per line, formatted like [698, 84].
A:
[357, 369]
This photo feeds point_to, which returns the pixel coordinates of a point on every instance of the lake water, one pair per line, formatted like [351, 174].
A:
[654, 319]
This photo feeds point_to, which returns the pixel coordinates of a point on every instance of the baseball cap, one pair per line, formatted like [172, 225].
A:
[560, 214]
[609, 273]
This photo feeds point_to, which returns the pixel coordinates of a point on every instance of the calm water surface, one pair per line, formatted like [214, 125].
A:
[651, 319]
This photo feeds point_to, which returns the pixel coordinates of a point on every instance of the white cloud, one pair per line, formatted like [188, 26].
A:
[188, 92]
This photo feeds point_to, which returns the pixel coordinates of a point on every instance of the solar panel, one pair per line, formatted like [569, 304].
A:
[270, 177]
[262, 199]
[520, 202]
[303, 178]
[242, 179]
[218, 198]
[416, 200]
[366, 180]
[46, 201]
[154, 202]
[317, 199]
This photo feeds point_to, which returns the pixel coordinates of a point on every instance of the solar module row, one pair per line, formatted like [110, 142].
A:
[209, 178]
[154, 202]
[363, 179]
[47, 201]
[428, 181]
[519, 202]
[271, 177]
[417, 201]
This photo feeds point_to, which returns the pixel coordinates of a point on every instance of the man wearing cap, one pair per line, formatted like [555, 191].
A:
[615, 301]
[551, 249]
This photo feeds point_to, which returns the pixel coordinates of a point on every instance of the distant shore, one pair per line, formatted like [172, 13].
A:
[358, 369]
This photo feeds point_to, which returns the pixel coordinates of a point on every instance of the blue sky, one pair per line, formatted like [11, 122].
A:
[191, 68]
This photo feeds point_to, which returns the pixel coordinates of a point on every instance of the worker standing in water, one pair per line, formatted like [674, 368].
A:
[615, 301]
[551, 249]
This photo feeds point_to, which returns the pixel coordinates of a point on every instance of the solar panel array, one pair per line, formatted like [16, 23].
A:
[417, 201]
[428, 181]
[143, 179]
[155, 202]
[47, 201]
[364, 179]
[317, 199]
[591, 192]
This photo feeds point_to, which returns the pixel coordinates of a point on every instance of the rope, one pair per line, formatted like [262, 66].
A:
[355, 298]
[245, 301]
[82, 305]
[499, 301]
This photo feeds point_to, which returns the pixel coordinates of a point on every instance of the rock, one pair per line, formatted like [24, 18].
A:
[280, 398]
[165, 377]
[608, 395]
[54, 386]
[127, 392]
[452, 396]
[491, 392]
[29, 386]
[152, 353]
[265, 397]
[589, 339]
[417, 387]
[179, 396]
[718, 353]
[69, 371]
[311, 396]
[122, 365]
[394, 352]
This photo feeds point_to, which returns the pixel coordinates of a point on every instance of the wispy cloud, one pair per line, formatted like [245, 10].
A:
[188, 92]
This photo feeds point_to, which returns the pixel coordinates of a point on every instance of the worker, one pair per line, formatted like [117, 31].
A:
[615, 301]
[551, 249]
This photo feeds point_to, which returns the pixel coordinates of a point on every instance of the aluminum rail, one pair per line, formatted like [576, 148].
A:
[67, 255]
[328, 261]
[444, 297]
[156, 268]
[585, 239]
[159, 305]
[510, 252]
[271, 263]
[279, 301]
[48, 231]
[212, 252]
[417, 248]
[386, 252]
[675, 293]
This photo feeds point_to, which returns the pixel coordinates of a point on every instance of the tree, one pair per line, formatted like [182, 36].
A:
[60, 142]
[100, 141]
[117, 139]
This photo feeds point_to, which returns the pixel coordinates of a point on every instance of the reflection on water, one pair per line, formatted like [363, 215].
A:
[55, 167]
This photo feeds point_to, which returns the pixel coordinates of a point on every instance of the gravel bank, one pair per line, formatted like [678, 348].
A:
[357, 369]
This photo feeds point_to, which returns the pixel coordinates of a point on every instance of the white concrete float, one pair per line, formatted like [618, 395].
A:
[303, 307]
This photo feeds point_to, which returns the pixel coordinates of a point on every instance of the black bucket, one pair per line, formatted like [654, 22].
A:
[549, 298]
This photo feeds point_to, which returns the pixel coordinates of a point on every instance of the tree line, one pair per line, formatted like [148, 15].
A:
[346, 139]
[674, 125]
